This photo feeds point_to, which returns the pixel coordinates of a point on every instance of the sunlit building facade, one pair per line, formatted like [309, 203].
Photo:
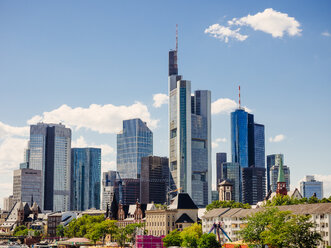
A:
[310, 186]
[85, 178]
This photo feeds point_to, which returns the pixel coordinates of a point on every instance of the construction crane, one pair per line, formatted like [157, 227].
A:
[170, 192]
[120, 187]
[217, 227]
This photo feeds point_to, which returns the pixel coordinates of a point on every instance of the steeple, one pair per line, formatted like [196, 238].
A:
[281, 183]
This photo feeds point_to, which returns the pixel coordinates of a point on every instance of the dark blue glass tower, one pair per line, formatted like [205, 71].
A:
[85, 178]
[134, 142]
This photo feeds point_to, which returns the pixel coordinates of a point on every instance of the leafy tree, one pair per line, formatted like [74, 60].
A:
[130, 231]
[208, 241]
[79, 227]
[227, 204]
[60, 231]
[172, 239]
[21, 231]
[190, 235]
[120, 237]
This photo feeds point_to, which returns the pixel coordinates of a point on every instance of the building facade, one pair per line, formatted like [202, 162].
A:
[154, 179]
[232, 173]
[273, 159]
[220, 158]
[134, 142]
[248, 150]
[8, 203]
[189, 136]
[274, 176]
[50, 147]
[27, 186]
[310, 186]
[85, 178]
[108, 190]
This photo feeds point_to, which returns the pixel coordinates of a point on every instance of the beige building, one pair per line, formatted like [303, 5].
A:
[181, 213]
[232, 220]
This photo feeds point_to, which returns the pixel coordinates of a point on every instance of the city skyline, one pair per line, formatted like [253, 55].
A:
[86, 71]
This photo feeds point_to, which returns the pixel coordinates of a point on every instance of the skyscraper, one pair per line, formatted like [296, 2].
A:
[220, 158]
[154, 179]
[50, 146]
[274, 177]
[108, 188]
[273, 159]
[248, 149]
[134, 142]
[231, 172]
[189, 136]
[27, 186]
[85, 178]
[310, 186]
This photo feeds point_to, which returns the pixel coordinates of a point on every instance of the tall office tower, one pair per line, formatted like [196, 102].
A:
[50, 146]
[129, 188]
[248, 149]
[274, 177]
[220, 158]
[85, 178]
[231, 172]
[27, 186]
[134, 142]
[108, 188]
[273, 159]
[8, 203]
[190, 136]
[310, 186]
[25, 164]
[154, 179]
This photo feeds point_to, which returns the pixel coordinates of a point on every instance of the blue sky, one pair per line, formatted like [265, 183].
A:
[114, 54]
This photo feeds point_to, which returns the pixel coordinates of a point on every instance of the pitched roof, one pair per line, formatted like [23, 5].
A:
[215, 212]
[182, 201]
[184, 218]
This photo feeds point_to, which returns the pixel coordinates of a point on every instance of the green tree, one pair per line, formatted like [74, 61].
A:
[130, 231]
[21, 231]
[227, 204]
[190, 235]
[120, 237]
[60, 231]
[79, 227]
[208, 241]
[172, 239]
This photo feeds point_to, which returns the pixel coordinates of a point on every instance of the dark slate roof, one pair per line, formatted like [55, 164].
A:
[184, 218]
[226, 183]
[182, 201]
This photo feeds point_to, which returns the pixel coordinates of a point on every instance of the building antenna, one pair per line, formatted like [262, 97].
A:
[239, 99]
[176, 37]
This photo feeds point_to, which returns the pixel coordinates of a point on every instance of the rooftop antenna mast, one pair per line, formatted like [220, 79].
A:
[176, 37]
[239, 99]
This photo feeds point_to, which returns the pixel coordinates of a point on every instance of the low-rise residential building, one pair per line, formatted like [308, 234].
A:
[181, 213]
[232, 220]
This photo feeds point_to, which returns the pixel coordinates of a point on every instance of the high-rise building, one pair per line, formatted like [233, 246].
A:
[129, 188]
[8, 203]
[220, 158]
[108, 188]
[310, 186]
[189, 136]
[50, 146]
[154, 179]
[27, 186]
[274, 177]
[231, 172]
[248, 149]
[273, 159]
[134, 142]
[85, 178]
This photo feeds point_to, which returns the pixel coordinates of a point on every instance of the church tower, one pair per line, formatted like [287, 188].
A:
[281, 183]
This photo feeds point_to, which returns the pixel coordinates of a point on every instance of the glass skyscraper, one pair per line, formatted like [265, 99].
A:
[85, 178]
[274, 176]
[248, 150]
[273, 159]
[189, 136]
[310, 186]
[108, 188]
[134, 142]
[220, 158]
[50, 146]
[232, 173]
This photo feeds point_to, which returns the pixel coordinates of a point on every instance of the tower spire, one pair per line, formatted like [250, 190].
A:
[176, 37]
[239, 98]
[281, 183]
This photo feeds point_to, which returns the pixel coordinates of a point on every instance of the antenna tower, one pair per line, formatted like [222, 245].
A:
[239, 99]
[176, 37]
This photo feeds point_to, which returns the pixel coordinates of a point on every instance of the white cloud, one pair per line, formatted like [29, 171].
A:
[271, 22]
[160, 99]
[277, 138]
[100, 118]
[7, 131]
[326, 33]
[81, 142]
[224, 33]
[11, 153]
[225, 106]
[108, 165]
[216, 142]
